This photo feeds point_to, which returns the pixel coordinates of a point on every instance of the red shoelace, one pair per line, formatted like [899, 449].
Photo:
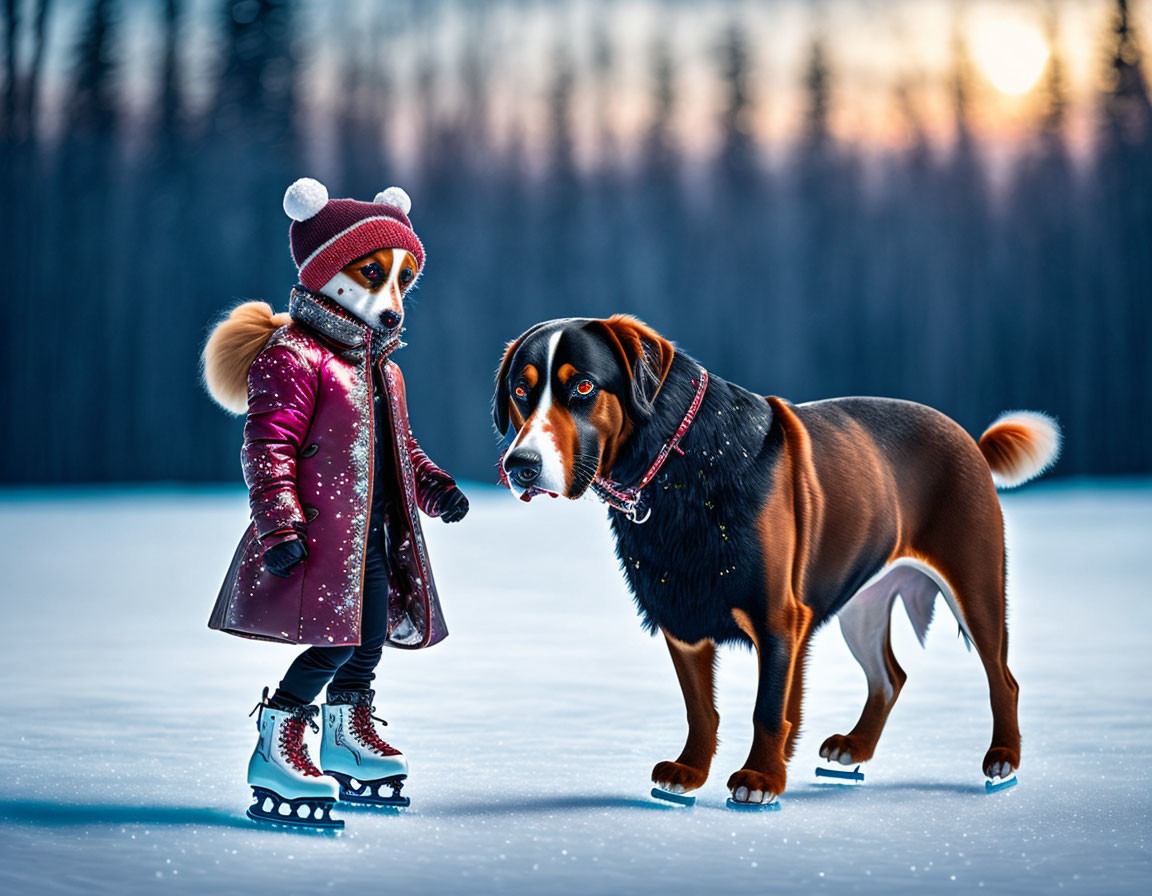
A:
[293, 746]
[366, 733]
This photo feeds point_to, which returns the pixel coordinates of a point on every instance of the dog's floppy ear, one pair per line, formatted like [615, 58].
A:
[645, 354]
[501, 395]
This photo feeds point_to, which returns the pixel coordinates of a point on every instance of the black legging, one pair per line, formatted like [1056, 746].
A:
[347, 668]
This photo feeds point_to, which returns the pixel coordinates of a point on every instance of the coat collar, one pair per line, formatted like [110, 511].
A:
[327, 318]
[321, 314]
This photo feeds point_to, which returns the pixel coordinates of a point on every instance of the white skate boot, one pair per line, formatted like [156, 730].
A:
[287, 788]
[353, 753]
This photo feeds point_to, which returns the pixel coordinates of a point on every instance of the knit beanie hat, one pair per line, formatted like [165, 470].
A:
[328, 234]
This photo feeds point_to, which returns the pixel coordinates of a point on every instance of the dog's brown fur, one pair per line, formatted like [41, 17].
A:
[847, 494]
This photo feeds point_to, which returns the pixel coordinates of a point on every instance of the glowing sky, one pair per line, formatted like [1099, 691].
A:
[891, 63]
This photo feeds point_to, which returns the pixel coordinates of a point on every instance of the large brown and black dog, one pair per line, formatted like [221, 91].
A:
[740, 518]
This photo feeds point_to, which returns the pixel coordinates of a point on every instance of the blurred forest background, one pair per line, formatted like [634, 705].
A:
[815, 199]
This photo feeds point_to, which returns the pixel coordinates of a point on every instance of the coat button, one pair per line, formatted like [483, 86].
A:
[310, 450]
[310, 513]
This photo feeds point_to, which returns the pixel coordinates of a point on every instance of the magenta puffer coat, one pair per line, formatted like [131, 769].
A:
[308, 461]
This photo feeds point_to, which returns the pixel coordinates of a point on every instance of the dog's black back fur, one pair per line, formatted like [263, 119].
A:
[700, 553]
[698, 556]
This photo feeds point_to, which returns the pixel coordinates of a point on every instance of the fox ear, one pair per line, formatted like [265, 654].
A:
[644, 353]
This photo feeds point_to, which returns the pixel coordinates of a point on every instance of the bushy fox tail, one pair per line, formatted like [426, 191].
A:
[1020, 445]
[233, 346]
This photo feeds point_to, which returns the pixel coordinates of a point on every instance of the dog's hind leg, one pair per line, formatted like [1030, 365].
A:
[977, 577]
[965, 547]
[865, 623]
[695, 668]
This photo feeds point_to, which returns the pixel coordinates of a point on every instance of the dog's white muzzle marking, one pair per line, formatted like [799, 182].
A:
[363, 302]
[534, 437]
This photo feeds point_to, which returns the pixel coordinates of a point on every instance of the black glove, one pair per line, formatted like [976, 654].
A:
[447, 500]
[453, 505]
[280, 558]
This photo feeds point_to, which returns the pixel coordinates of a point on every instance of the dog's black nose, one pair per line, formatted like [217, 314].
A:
[523, 467]
[390, 319]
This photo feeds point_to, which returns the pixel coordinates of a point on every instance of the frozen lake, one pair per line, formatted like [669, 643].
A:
[532, 730]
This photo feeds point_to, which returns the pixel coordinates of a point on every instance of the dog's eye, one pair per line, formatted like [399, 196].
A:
[584, 388]
[407, 276]
[521, 392]
[372, 271]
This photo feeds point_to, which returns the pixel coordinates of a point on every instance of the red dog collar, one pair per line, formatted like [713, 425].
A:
[627, 499]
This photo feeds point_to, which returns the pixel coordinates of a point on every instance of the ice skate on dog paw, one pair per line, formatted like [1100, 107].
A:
[754, 790]
[673, 780]
[840, 776]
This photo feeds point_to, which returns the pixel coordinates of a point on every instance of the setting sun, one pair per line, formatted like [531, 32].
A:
[1010, 52]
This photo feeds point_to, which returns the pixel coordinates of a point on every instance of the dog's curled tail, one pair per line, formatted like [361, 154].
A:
[233, 346]
[1020, 445]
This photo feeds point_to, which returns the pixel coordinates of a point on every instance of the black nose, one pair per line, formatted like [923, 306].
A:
[390, 319]
[523, 467]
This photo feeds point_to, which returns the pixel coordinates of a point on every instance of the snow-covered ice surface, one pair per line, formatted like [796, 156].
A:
[533, 728]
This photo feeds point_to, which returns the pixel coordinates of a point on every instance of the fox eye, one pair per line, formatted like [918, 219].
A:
[584, 388]
[406, 276]
[372, 272]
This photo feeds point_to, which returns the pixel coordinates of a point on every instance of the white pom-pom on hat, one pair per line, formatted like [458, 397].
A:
[395, 197]
[305, 198]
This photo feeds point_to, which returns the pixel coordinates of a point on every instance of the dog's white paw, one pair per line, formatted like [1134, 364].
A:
[744, 795]
[837, 754]
[1001, 770]
[671, 788]
[845, 749]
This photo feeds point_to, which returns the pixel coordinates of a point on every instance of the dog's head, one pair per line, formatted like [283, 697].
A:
[569, 394]
[373, 287]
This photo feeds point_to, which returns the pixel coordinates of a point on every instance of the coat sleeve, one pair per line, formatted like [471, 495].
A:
[428, 475]
[281, 399]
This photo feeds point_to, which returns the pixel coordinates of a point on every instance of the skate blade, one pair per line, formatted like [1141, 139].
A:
[680, 799]
[298, 824]
[367, 793]
[317, 811]
[839, 776]
[773, 806]
[989, 787]
[353, 799]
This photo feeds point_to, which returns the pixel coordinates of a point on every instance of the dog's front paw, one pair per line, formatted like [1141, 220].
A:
[1001, 762]
[749, 786]
[675, 777]
[845, 749]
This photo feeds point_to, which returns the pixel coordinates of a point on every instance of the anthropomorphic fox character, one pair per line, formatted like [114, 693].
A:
[334, 556]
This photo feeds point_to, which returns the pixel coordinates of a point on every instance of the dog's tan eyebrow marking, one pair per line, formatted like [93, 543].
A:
[565, 373]
[410, 263]
[530, 375]
[383, 257]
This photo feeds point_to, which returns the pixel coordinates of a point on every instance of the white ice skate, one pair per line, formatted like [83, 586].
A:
[287, 788]
[353, 753]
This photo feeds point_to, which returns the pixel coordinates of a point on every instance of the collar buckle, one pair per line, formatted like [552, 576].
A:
[628, 500]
